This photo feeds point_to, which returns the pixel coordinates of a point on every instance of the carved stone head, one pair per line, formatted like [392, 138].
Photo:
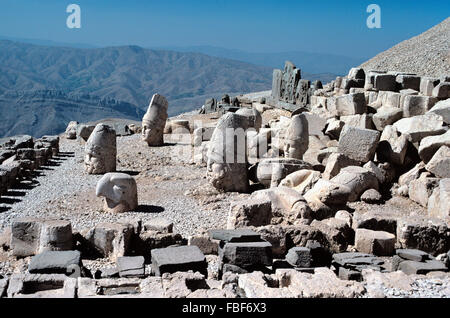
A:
[101, 150]
[154, 121]
[119, 191]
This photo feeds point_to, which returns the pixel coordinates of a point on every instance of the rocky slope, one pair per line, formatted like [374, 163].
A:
[425, 54]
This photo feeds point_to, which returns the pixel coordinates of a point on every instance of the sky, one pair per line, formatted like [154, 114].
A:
[327, 26]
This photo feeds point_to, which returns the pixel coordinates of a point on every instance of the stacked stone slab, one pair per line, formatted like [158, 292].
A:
[242, 250]
[412, 261]
[349, 265]
[30, 236]
[21, 156]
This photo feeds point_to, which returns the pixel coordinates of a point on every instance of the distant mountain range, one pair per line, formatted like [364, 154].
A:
[129, 75]
[42, 88]
[312, 64]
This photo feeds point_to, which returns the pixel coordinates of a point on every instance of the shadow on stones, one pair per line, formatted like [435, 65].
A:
[65, 155]
[129, 172]
[149, 209]
[15, 194]
[9, 200]
[4, 209]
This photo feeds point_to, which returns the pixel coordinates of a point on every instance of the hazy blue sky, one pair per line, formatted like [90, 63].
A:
[333, 26]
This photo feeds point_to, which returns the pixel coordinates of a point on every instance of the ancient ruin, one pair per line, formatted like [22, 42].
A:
[101, 150]
[154, 121]
[325, 190]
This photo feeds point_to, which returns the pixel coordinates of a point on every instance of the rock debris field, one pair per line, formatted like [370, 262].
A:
[305, 191]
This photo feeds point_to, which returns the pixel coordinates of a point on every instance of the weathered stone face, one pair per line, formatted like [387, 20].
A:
[227, 158]
[296, 138]
[101, 150]
[71, 130]
[154, 121]
[119, 191]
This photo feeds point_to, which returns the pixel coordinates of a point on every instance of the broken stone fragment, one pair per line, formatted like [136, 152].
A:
[417, 105]
[71, 130]
[246, 255]
[287, 205]
[110, 240]
[159, 224]
[178, 259]
[413, 255]
[25, 236]
[438, 202]
[429, 145]
[271, 171]
[425, 234]
[299, 257]
[385, 82]
[131, 266]
[421, 189]
[375, 242]
[439, 165]
[422, 268]
[358, 144]
[56, 262]
[418, 127]
[56, 235]
[442, 108]
[392, 146]
[119, 191]
[386, 116]
[237, 235]
[301, 181]
[249, 213]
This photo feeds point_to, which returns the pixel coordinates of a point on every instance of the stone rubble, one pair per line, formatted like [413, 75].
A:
[301, 181]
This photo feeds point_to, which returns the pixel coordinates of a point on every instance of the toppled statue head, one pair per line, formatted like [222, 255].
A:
[297, 137]
[101, 150]
[154, 121]
[119, 191]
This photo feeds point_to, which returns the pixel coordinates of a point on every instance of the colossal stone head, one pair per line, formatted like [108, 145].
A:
[101, 150]
[154, 121]
[297, 137]
[227, 154]
[119, 191]
[71, 130]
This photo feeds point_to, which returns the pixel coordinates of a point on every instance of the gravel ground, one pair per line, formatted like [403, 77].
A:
[169, 185]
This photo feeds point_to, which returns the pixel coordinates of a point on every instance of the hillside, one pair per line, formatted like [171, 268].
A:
[322, 66]
[128, 75]
[42, 112]
[425, 54]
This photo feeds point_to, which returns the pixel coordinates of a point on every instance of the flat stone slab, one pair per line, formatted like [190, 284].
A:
[162, 225]
[299, 257]
[246, 254]
[239, 235]
[422, 268]
[131, 266]
[413, 255]
[339, 257]
[55, 262]
[178, 259]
